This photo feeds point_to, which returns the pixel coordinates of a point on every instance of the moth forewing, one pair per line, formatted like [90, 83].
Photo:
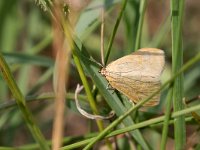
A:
[137, 75]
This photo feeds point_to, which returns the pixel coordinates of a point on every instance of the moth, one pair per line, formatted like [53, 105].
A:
[137, 75]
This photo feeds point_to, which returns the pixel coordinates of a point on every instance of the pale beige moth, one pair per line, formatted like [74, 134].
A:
[137, 75]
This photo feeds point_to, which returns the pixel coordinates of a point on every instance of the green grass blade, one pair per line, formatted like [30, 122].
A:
[20, 58]
[45, 96]
[143, 4]
[131, 19]
[87, 89]
[35, 131]
[177, 8]
[115, 31]
[166, 121]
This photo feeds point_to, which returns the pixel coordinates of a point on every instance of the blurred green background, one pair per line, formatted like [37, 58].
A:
[26, 43]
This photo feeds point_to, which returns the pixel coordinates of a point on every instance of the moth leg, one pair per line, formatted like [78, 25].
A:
[131, 101]
[109, 87]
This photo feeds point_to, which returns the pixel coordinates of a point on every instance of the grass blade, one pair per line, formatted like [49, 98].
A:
[139, 31]
[35, 131]
[115, 30]
[177, 8]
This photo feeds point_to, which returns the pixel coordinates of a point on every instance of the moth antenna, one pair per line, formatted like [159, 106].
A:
[96, 62]
[99, 64]
[102, 37]
[86, 114]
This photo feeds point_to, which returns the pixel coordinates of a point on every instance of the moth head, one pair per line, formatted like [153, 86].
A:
[103, 71]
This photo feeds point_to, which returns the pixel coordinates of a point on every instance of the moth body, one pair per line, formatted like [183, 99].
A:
[137, 75]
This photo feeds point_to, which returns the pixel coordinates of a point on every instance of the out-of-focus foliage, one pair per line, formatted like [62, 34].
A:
[26, 43]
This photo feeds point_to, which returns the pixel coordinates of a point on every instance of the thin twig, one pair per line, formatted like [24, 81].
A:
[86, 114]
[191, 100]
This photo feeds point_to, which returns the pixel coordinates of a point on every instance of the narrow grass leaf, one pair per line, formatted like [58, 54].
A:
[177, 8]
[28, 117]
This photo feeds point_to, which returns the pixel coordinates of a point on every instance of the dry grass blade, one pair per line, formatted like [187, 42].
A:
[63, 52]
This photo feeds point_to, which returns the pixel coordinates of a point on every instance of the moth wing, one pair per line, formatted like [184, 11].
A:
[144, 64]
[137, 90]
[138, 75]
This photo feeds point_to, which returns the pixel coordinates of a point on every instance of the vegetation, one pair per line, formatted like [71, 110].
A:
[48, 47]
